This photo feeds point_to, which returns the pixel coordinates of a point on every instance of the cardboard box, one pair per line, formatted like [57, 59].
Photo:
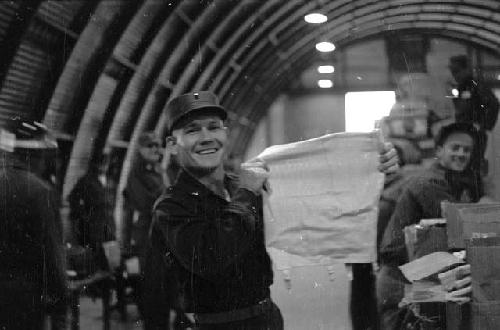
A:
[483, 255]
[486, 316]
[458, 316]
[424, 239]
[465, 221]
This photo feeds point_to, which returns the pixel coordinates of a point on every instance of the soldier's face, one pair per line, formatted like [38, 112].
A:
[151, 153]
[201, 143]
[455, 154]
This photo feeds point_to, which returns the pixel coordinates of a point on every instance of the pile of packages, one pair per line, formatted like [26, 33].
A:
[444, 251]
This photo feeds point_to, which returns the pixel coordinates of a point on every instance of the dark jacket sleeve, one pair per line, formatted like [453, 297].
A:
[140, 193]
[54, 259]
[488, 103]
[156, 285]
[420, 199]
[204, 246]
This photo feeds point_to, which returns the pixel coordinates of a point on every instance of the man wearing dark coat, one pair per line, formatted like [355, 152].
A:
[32, 272]
[475, 104]
[207, 261]
[144, 185]
[448, 179]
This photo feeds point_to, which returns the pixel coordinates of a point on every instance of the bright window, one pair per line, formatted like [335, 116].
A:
[364, 109]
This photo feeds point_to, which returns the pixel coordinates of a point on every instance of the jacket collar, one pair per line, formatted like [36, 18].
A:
[460, 181]
[191, 186]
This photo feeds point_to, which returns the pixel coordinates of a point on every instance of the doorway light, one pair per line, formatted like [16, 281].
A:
[315, 18]
[364, 109]
[325, 46]
[326, 69]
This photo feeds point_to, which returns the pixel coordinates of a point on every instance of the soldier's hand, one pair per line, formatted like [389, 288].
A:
[388, 160]
[253, 176]
[458, 284]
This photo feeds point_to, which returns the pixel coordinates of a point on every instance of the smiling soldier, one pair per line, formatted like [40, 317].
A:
[449, 179]
[207, 261]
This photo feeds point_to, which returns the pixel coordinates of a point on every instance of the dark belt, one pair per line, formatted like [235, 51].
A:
[235, 315]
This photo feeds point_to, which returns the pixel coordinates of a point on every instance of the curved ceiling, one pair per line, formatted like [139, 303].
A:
[100, 72]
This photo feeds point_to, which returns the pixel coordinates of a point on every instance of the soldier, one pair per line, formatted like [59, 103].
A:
[32, 278]
[208, 259]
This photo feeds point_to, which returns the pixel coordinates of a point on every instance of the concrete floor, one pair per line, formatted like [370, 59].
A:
[91, 316]
[312, 301]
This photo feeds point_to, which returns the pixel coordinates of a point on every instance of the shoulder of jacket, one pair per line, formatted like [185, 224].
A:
[173, 202]
[426, 182]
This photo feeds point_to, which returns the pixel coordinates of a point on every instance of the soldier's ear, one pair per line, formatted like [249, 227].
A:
[439, 152]
[171, 144]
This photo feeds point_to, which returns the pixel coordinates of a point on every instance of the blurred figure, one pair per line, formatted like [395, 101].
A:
[91, 221]
[449, 179]
[145, 184]
[475, 104]
[32, 274]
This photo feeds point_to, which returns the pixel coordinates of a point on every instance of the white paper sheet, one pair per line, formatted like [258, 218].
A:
[324, 201]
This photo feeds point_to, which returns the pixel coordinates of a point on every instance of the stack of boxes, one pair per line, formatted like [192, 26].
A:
[476, 228]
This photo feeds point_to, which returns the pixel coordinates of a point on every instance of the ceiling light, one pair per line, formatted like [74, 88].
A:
[325, 46]
[326, 69]
[325, 83]
[455, 92]
[315, 18]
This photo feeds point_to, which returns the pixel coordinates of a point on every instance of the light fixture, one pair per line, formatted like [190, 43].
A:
[325, 83]
[315, 18]
[325, 46]
[326, 69]
[498, 76]
[454, 92]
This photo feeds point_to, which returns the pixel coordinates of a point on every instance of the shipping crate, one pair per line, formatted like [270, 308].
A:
[486, 315]
[465, 221]
[458, 316]
[483, 255]
[423, 240]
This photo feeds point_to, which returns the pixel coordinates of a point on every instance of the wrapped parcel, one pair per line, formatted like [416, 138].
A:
[324, 201]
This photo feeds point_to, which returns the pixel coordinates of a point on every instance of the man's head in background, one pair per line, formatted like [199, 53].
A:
[31, 143]
[197, 135]
[150, 147]
[455, 145]
[460, 68]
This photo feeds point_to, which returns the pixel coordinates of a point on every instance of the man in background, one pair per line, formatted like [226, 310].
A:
[32, 271]
[449, 179]
[144, 186]
[475, 104]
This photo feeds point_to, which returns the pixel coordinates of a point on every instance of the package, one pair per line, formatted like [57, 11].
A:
[486, 315]
[428, 265]
[424, 238]
[466, 220]
[323, 204]
[483, 254]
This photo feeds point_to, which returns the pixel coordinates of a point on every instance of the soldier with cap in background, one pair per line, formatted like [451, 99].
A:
[475, 104]
[32, 272]
[144, 186]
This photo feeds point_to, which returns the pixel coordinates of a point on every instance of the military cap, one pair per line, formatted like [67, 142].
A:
[192, 103]
[21, 133]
